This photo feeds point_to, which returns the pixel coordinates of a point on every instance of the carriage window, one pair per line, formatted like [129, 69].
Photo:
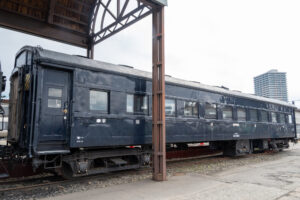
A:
[98, 100]
[137, 104]
[290, 119]
[141, 104]
[54, 103]
[227, 113]
[264, 116]
[241, 114]
[29, 58]
[210, 111]
[191, 108]
[129, 103]
[54, 97]
[21, 60]
[253, 115]
[54, 92]
[282, 118]
[274, 118]
[170, 106]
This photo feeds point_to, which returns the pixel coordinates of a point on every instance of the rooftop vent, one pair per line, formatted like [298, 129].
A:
[272, 71]
[126, 66]
[223, 87]
[81, 56]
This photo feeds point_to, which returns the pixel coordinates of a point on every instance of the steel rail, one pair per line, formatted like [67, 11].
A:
[59, 180]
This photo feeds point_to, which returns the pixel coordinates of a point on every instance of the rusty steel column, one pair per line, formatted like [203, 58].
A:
[158, 96]
[90, 52]
[90, 48]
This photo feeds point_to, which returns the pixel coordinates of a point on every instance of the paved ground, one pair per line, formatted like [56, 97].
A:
[270, 180]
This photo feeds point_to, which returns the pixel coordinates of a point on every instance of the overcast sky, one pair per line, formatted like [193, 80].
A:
[215, 42]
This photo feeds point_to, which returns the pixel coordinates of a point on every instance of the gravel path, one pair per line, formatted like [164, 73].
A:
[205, 166]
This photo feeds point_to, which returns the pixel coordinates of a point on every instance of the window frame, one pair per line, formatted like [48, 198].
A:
[175, 101]
[127, 103]
[196, 106]
[55, 97]
[227, 106]
[261, 119]
[290, 119]
[275, 117]
[237, 114]
[56, 88]
[27, 57]
[284, 118]
[18, 56]
[250, 118]
[216, 109]
[108, 101]
[134, 104]
[141, 113]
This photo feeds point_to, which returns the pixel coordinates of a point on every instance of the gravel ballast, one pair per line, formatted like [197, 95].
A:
[204, 166]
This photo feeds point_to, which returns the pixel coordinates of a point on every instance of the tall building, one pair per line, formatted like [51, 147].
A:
[271, 84]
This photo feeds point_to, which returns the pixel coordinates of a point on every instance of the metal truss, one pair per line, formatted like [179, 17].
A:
[120, 14]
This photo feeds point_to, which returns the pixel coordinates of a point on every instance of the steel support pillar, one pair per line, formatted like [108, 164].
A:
[158, 96]
[90, 51]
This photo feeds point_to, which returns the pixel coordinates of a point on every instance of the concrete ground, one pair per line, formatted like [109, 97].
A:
[270, 180]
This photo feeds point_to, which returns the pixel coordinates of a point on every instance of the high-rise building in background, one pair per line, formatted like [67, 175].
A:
[271, 84]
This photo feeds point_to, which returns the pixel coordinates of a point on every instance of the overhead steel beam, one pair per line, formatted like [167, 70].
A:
[38, 28]
[121, 20]
[81, 32]
[155, 3]
[160, 2]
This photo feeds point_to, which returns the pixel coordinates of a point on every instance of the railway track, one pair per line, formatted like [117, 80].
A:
[28, 187]
[57, 181]
[28, 183]
[28, 180]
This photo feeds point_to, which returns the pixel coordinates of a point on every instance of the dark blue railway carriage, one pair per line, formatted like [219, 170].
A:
[77, 115]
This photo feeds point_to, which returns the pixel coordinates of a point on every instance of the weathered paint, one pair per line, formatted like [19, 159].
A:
[117, 128]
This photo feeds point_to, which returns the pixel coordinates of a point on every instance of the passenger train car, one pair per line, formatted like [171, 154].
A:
[78, 116]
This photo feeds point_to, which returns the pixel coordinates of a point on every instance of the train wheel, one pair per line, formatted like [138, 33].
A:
[182, 146]
[67, 171]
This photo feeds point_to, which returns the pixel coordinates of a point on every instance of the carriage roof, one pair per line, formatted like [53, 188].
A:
[48, 56]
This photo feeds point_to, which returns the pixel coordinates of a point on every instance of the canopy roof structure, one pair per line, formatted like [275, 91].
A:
[74, 21]
[84, 23]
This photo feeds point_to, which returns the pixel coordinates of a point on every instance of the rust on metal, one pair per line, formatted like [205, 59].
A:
[17, 169]
[74, 22]
[121, 19]
[158, 97]
[191, 152]
[61, 20]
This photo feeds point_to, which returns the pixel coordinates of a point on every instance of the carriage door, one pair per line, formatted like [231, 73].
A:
[54, 117]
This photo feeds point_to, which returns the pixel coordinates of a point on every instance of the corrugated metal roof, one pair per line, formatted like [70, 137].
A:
[72, 21]
[76, 61]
